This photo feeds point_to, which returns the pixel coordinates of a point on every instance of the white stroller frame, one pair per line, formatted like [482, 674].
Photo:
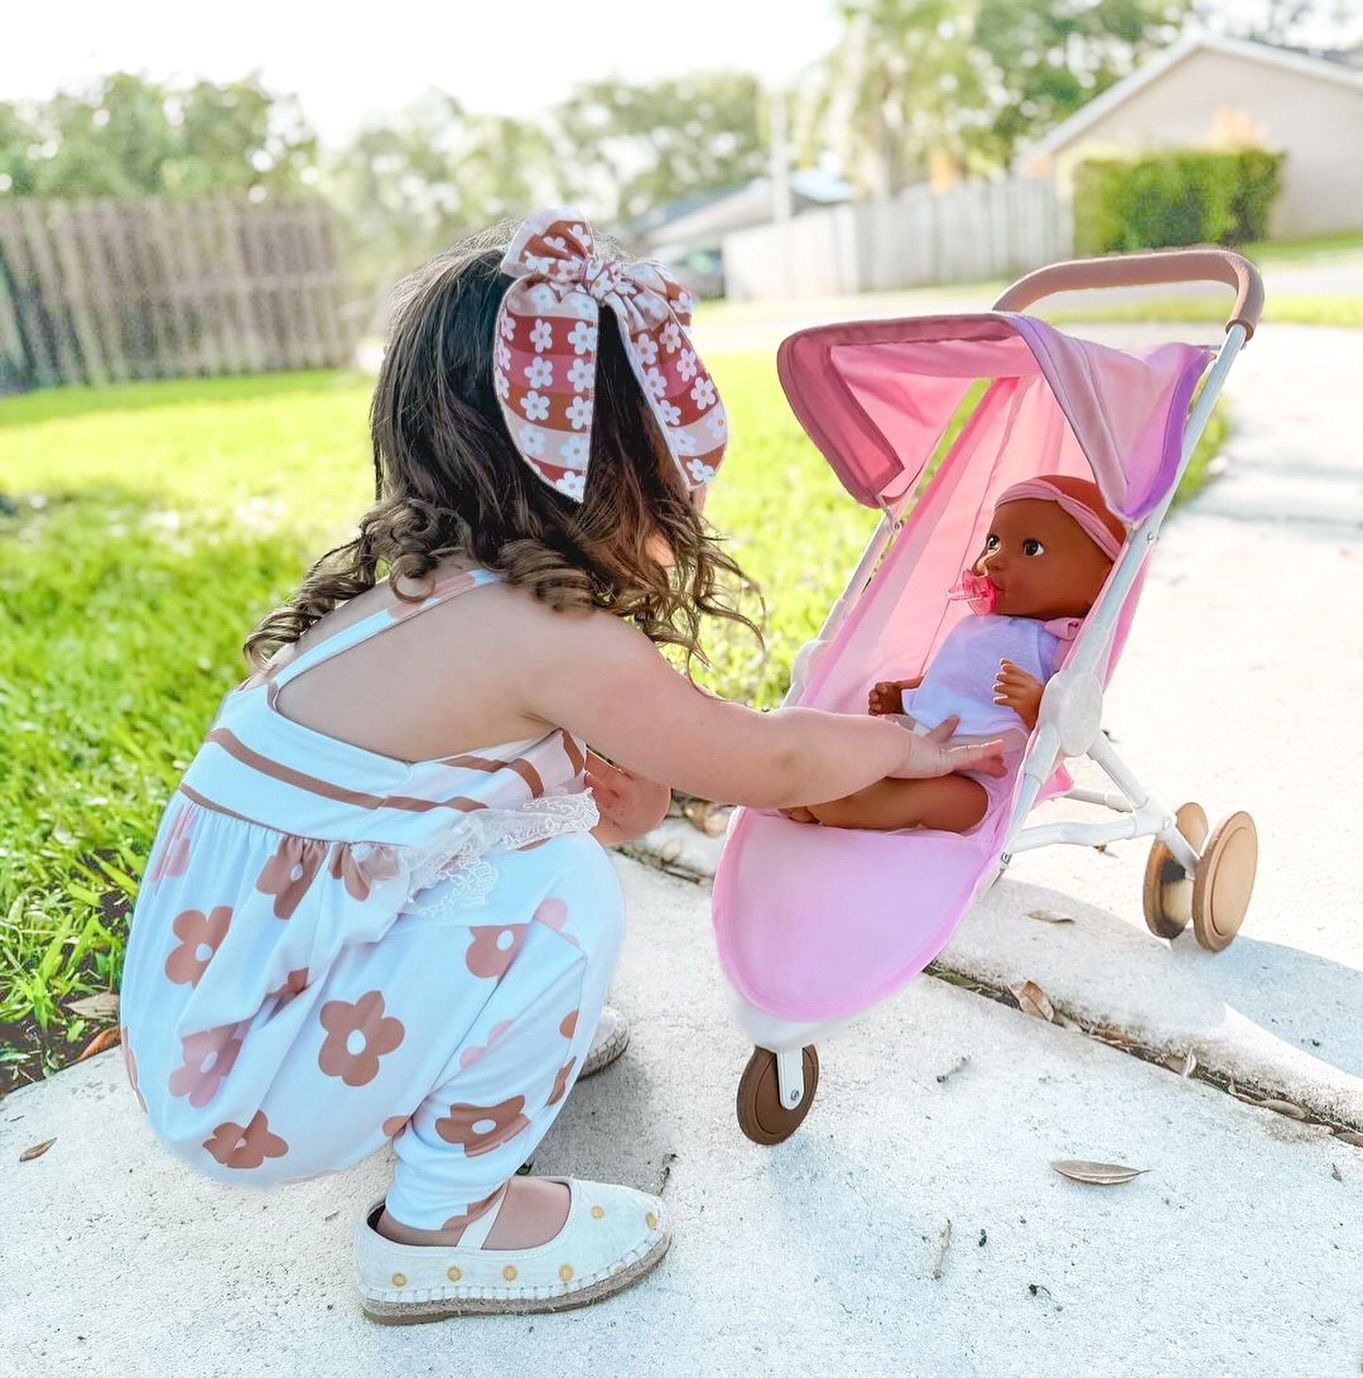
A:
[1070, 721]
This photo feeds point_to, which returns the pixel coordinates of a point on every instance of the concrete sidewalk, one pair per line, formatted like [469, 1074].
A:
[1238, 1253]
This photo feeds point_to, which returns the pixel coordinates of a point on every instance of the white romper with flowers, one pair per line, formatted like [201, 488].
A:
[333, 948]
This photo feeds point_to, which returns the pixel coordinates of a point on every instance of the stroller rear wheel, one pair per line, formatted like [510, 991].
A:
[1168, 894]
[1225, 880]
[761, 1115]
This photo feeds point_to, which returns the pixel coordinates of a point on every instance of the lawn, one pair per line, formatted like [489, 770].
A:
[153, 524]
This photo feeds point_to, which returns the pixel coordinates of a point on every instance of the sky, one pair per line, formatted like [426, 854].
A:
[495, 58]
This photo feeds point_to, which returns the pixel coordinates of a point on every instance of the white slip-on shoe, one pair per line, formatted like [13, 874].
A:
[611, 1039]
[613, 1235]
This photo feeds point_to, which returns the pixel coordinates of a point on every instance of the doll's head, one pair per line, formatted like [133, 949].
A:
[1049, 549]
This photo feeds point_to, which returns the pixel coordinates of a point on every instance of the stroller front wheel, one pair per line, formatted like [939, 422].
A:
[1168, 894]
[761, 1115]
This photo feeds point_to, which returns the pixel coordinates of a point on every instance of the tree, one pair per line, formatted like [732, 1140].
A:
[950, 86]
[626, 149]
[130, 138]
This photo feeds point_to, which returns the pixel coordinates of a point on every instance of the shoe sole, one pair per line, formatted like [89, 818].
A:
[421, 1312]
[605, 1054]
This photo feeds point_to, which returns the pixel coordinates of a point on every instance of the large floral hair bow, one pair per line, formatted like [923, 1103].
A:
[544, 362]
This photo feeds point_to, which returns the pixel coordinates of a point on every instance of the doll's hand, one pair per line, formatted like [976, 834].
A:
[1019, 691]
[887, 696]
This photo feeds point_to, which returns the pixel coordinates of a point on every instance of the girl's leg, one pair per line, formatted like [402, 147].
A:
[506, 1084]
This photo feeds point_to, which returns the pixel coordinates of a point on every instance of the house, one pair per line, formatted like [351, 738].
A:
[692, 240]
[1208, 91]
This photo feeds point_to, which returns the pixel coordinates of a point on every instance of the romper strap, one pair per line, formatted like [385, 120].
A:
[381, 621]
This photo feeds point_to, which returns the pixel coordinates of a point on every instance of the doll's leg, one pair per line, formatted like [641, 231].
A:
[951, 803]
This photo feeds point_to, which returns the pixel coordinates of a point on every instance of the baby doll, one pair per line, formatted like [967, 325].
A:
[1050, 546]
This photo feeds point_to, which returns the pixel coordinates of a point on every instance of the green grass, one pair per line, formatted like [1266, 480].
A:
[1292, 310]
[155, 523]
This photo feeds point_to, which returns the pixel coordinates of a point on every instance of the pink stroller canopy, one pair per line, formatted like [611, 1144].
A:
[875, 396]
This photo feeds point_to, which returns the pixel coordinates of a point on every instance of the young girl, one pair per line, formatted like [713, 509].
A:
[1045, 559]
[362, 923]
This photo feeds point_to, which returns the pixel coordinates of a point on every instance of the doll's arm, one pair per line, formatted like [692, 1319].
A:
[1019, 691]
[886, 697]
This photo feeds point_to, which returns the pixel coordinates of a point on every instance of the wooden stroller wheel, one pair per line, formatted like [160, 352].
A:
[761, 1116]
[1168, 895]
[1225, 881]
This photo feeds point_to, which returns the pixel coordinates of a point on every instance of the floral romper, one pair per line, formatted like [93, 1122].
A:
[333, 948]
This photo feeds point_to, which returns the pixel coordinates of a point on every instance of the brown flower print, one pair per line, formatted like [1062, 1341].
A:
[290, 871]
[362, 866]
[200, 937]
[380, 1034]
[295, 983]
[208, 1057]
[569, 1026]
[173, 856]
[395, 1124]
[481, 1128]
[494, 948]
[561, 1081]
[236, 1146]
[130, 1063]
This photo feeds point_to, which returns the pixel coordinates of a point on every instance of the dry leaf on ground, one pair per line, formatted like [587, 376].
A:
[1185, 1064]
[1334, 1172]
[1033, 1000]
[943, 1244]
[101, 1006]
[1050, 916]
[37, 1151]
[669, 851]
[1284, 1107]
[705, 817]
[1350, 1136]
[1096, 1174]
[105, 1038]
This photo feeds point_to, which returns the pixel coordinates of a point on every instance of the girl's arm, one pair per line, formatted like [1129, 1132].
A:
[602, 680]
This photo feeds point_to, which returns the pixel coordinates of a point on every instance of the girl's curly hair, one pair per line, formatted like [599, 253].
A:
[448, 480]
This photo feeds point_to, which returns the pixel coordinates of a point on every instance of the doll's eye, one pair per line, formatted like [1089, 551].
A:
[991, 542]
[1033, 547]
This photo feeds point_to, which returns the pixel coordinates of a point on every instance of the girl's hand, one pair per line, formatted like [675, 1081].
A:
[887, 696]
[932, 754]
[629, 804]
[1019, 691]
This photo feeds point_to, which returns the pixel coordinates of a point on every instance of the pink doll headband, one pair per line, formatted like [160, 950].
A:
[1091, 516]
[544, 365]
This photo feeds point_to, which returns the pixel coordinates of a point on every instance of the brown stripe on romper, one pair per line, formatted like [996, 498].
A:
[575, 758]
[234, 746]
[519, 766]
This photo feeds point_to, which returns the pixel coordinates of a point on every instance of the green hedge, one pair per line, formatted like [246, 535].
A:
[1189, 196]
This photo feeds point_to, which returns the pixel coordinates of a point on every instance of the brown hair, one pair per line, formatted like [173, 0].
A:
[448, 480]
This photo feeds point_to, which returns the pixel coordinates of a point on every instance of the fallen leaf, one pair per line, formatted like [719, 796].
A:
[705, 817]
[1334, 1172]
[101, 1006]
[1284, 1107]
[1050, 916]
[670, 851]
[943, 1244]
[105, 1038]
[1182, 1063]
[1033, 1000]
[37, 1151]
[1350, 1136]
[1096, 1174]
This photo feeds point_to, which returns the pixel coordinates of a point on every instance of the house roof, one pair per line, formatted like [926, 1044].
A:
[1289, 59]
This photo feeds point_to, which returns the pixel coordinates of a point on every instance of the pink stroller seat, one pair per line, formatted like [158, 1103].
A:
[815, 924]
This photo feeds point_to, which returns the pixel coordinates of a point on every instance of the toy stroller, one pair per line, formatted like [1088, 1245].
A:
[817, 924]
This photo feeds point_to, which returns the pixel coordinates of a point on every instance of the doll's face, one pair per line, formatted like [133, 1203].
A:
[1040, 561]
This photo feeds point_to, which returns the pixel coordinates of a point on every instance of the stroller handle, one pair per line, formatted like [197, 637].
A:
[1140, 270]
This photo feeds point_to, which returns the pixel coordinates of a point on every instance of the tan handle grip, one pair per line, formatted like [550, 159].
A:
[1140, 270]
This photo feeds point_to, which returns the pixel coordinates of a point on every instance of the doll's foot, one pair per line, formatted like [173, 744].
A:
[799, 814]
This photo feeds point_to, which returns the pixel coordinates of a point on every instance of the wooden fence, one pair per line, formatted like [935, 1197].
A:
[921, 238]
[111, 292]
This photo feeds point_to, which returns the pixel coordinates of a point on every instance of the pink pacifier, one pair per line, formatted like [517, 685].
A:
[977, 590]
